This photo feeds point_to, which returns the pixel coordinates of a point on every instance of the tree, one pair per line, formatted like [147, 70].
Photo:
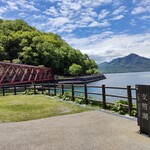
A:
[88, 72]
[22, 43]
[75, 69]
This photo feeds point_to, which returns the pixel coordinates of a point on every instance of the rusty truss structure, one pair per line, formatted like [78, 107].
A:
[11, 73]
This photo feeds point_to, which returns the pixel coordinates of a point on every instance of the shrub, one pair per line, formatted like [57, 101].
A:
[88, 72]
[29, 92]
[59, 95]
[118, 107]
[134, 113]
[96, 71]
[79, 100]
[75, 69]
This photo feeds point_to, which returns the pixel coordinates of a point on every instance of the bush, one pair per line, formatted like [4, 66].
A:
[88, 72]
[134, 113]
[96, 71]
[29, 92]
[118, 107]
[79, 100]
[59, 95]
[75, 69]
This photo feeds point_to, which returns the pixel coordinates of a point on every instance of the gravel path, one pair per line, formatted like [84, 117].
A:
[94, 130]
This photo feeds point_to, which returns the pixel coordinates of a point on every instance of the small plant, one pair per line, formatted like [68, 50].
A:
[59, 95]
[64, 97]
[79, 100]
[30, 92]
[67, 93]
[95, 103]
[46, 92]
[134, 113]
[67, 99]
[119, 107]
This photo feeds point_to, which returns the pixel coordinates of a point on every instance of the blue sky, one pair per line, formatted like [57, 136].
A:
[104, 29]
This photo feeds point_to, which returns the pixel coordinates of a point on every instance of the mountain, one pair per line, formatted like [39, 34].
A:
[130, 63]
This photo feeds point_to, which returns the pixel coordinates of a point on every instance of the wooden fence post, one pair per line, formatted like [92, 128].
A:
[3, 88]
[85, 93]
[103, 97]
[62, 88]
[54, 88]
[25, 87]
[34, 88]
[129, 100]
[72, 90]
[14, 89]
[48, 89]
[42, 89]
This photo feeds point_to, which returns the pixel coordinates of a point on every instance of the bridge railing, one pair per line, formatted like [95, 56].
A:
[11, 73]
[75, 91]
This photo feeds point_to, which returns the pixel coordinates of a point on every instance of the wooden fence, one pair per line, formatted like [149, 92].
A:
[54, 89]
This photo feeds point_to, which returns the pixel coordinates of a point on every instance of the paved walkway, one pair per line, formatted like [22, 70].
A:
[95, 130]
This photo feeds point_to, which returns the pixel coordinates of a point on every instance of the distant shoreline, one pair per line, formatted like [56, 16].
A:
[124, 72]
[82, 79]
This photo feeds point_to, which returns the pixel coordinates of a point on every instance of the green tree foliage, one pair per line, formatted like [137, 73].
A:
[75, 69]
[22, 43]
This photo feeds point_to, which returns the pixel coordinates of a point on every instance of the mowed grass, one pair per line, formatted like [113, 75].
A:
[15, 108]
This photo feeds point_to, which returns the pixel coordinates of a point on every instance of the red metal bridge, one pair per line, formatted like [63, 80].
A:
[11, 73]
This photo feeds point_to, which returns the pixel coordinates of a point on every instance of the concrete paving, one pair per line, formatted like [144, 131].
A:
[94, 130]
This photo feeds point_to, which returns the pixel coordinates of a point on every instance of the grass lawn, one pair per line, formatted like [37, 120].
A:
[14, 108]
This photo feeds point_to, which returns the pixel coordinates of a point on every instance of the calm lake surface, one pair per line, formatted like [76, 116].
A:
[116, 80]
[121, 80]
[124, 79]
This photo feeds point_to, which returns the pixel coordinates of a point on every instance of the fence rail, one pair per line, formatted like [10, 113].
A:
[54, 89]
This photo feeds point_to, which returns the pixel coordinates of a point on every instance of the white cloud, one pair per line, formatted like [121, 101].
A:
[87, 19]
[117, 17]
[52, 11]
[37, 16]
[22, 15]
[119, 10]
[141, 7]
[104, 24]
[27, 5]
[145, 17]
[75, 6]
[103, 14]
[78, 14]
[94, 24]
[58, 21]
[12, 5]
[133, 22]
[134, 1]
[20, 5]
[100, 45]
[54, 1]
[89, 12]
[93, 3]
[117, 3]
[145, 2]
[3, 10]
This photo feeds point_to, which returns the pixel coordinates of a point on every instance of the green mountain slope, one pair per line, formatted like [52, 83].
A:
[130, 63]
[21, 43]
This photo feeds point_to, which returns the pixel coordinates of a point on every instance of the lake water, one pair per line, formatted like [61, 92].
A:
[124, 79]
[116, 80]
[121, 80]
